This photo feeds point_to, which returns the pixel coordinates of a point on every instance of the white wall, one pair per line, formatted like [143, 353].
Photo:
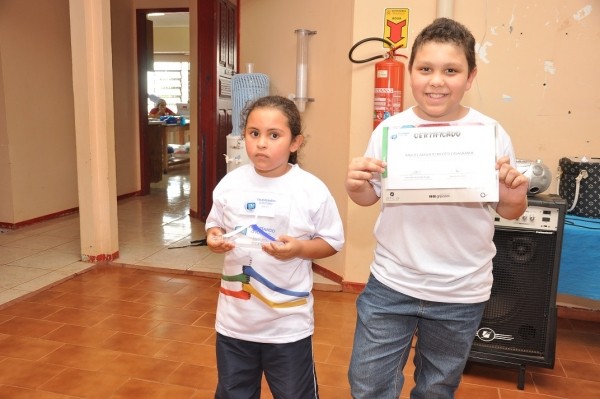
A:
[37, 129]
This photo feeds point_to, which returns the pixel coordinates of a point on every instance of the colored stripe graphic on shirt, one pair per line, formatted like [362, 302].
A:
[236, 294]
[248, 270]
[296, 302]
[247, 289]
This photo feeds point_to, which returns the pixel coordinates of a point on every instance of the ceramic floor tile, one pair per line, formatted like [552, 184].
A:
[25, 347]
[11, 236]
[85, 384]
[12, 276]
[71, 247]
[31, 310]
[132, 253]
[142, 367]
[181, 332]
[10, 254]
[50, 260]
[39, 242]
[39, 283]
[197, 377]
[150, 390]
[80, 357]
[177, 258]
[127, 324]
[28, 327]
[26, 373]
[13, 392]
[583, 371]
[80, 335]
[74, 268]
[78, 317]
[8, 296]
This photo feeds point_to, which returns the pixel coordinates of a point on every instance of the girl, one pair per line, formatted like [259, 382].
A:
[270, 218]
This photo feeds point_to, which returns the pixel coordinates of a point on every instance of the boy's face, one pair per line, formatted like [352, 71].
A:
[439, 79]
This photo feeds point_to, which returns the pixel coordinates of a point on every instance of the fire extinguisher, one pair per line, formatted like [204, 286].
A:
[389, 81]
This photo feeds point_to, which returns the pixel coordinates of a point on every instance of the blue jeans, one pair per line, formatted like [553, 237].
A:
[386, 323]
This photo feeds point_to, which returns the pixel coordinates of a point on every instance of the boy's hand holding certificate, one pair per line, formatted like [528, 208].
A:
[440, 163]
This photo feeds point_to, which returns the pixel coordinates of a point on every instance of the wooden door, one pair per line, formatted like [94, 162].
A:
[145, 56]
[216, 65]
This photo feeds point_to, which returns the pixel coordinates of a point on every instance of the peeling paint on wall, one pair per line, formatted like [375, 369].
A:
[481, 50]
[510, 23]
[584, 12]
[549, 67]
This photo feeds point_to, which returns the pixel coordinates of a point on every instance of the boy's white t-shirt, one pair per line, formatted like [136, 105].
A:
[263, 299]
[438, 252]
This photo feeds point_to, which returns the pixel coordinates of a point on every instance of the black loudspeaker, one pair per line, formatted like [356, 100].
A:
[519, 322]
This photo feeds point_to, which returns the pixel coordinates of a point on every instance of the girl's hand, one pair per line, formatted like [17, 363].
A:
[284, 248]
[287, 247]
[216, 242]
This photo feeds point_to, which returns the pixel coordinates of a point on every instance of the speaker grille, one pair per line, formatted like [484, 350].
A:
[518, 310]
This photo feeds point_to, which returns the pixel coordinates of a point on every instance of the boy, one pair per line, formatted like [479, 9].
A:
[432, 271]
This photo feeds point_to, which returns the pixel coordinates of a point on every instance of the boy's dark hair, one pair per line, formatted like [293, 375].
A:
[288, 109]
[446, 30]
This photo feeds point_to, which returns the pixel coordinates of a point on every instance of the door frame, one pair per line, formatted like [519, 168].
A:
[144, 37]
[207, 152]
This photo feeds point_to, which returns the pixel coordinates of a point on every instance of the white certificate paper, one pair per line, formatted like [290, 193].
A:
[440, 163]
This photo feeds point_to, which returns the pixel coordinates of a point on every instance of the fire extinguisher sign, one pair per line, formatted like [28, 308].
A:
[395, 27]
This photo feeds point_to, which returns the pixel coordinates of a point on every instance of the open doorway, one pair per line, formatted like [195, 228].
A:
[168, 82]
[164, 66]
[216, 30]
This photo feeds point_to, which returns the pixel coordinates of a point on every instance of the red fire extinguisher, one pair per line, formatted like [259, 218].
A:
[389, 82]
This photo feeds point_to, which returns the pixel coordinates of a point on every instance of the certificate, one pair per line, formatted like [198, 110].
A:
[440, 163]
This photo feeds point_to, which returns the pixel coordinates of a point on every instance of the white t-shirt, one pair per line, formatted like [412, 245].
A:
[263, 299]
[439, 252]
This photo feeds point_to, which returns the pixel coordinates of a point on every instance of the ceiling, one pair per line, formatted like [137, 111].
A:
[171, 19]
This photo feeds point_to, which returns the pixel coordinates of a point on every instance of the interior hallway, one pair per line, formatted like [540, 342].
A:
[35, 256]
[113, 332]
[155, 232]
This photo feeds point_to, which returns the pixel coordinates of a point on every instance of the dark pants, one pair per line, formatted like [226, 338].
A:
[288, 368]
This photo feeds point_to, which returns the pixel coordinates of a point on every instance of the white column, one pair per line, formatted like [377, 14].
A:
[94, 128]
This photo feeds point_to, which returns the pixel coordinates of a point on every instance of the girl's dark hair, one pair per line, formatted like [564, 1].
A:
[446, 30]
[287, 108]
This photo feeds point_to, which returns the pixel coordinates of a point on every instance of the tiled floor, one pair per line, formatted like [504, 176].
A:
[73, 330]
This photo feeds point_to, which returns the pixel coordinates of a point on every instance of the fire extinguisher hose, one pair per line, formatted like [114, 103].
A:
[374, 39]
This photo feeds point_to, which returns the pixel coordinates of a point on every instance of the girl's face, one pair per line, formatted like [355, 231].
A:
[269, 141]
[439, 79]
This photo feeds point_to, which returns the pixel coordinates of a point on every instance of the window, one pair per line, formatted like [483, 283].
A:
[171, 81]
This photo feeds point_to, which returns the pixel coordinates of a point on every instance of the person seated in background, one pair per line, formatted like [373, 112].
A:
[160, 109]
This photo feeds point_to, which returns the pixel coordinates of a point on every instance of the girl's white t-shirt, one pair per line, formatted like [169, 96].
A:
[263, 299]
